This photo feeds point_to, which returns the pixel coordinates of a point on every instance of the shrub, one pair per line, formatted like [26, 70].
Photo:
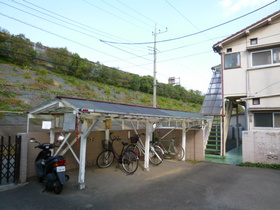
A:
[260, 165]
[45, 80]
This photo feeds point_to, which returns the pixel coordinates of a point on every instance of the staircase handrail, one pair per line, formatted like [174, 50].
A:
[207, 130]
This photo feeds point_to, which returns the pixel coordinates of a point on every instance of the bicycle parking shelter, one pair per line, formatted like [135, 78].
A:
[66, 113]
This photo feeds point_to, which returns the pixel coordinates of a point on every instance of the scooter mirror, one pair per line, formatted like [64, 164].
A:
[32, 140]
[60, 138]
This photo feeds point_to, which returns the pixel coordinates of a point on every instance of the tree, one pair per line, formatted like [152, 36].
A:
[4, 38]
[21, 49]
[60, 58]
[147, 84]
[135, 82]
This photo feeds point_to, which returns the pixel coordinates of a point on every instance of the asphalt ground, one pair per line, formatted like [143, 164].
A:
[171, 185]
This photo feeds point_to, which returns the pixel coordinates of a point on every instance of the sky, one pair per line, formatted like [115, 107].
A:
[122, 33]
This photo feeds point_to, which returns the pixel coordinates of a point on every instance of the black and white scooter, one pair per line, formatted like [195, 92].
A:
[50, 169]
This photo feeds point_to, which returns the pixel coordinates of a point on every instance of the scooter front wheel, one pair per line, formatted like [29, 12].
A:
[57, 187]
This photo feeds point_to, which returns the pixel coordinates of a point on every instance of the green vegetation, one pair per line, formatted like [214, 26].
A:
[260, 165]
[79, 77]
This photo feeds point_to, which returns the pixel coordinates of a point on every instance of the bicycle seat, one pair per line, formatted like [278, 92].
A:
[124, 143]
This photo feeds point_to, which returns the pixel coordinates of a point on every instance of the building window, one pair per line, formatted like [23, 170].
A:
[229, 50]
[267, 120]
[266, 57]
[254, 41]
[277, 120]
[232, 60]
[256, 101]
[276, 55]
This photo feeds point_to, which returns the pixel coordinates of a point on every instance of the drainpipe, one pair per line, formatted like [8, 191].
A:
[237, 127]
[223, 152]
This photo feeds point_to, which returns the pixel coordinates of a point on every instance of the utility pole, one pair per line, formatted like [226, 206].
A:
[155, 62]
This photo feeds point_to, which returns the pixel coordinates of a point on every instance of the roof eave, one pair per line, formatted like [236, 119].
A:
[244, 32]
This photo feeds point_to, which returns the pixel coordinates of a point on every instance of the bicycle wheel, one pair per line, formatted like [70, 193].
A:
[156, 155]
[129, 162]
[178, 152]
[105, 159]
[134, 148]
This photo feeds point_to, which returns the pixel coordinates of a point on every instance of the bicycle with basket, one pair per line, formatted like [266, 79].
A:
[127, 158]
[155, 152]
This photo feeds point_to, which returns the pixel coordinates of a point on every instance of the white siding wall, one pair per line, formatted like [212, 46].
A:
[266, 34]
[264, 82]
[261, 81]
[235, 79]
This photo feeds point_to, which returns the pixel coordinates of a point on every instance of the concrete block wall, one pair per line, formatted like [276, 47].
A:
[29, 153]
[261, 147]
[194, 142]
[195, 145]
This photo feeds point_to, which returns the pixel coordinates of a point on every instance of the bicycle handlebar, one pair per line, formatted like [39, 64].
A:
[116, 138]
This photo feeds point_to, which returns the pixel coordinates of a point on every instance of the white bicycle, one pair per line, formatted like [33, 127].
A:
[156, 153]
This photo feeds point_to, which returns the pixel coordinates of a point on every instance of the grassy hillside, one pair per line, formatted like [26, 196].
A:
[24, 88]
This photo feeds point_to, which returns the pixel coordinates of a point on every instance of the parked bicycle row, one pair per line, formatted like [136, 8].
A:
[131, 153]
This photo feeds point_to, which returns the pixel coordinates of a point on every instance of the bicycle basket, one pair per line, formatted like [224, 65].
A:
[106, 145]
[134, 139]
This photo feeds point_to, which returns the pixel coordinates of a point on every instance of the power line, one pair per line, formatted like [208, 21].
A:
[199, 53]
[80, 25]
[125, 13]
[64, 38]
[177, 48]
[182, 15]
[50, 21]
[52, 17]
[112, 14]
[136, 11]
[138, 56]
[192, 34]
[63, 26]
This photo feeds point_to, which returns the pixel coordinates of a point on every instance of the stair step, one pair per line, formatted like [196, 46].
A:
[214, 156]
[212, 150]
[214, 140]
[214, 136]
[213, 145]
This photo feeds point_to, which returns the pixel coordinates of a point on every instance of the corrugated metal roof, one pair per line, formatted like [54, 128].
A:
[212, 104]
[53, 107]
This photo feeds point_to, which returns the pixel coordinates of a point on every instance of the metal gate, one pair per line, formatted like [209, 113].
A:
[9, 159]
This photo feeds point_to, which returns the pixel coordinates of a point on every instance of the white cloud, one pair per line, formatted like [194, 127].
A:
[226, 3]
[231, 6]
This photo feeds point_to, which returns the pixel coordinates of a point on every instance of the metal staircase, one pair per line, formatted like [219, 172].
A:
[212, 106]
[213, 146]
